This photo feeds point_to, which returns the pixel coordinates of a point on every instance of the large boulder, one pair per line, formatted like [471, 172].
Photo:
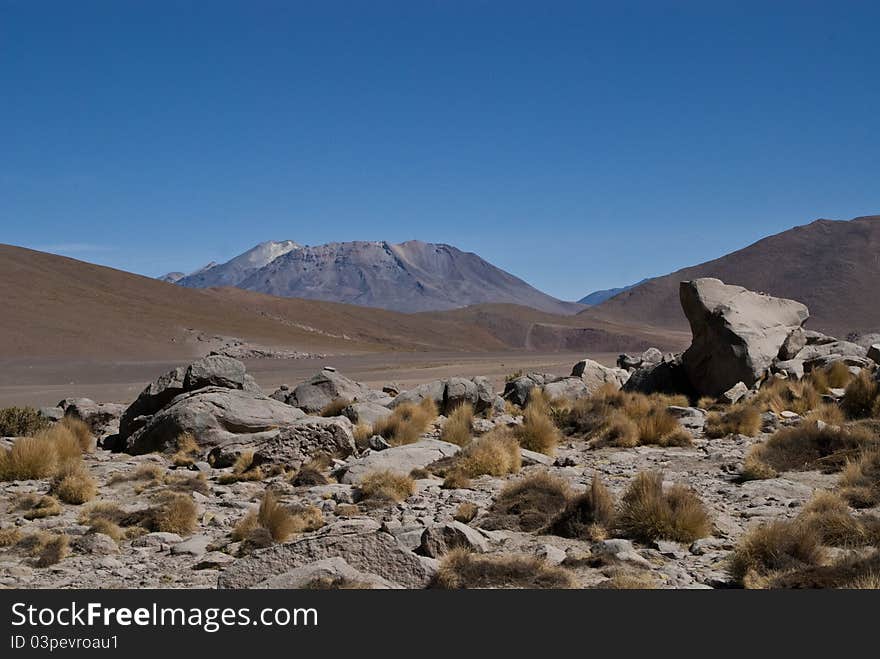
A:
[439, 538]
[874, 353]
[367, 413]
[331, 571]
[400, 459]
[568, 388]
[517, 389]
[666, 377]
[292, 445]
[324, 387]
[835, 347]
[360, 542]
[450, 393]
[736, 333]
[212, 371]
[214, 415]
[595, 375]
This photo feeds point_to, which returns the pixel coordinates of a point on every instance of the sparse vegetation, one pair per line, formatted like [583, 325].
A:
[828, 515]
[9, 536]
[335, 407]
[74, 484]
[650, 512]
[465, 512]
[537, 432]
[588, 515]
[529, 503]
[187, 450]
[861, 397]
[80, 431]
[457, 429]
[309, 475]
[243, 470]
[361, 433]
[812, 445]
[21, 422]
[462, 569]
[772, 548]
[496, 453]
[38, 506]
[407, 422]
[778, 395]
[28, 458]
[385, 485]
[738, 420]
[276, 522]
[53, 551]
[175, 513]
[860, 479]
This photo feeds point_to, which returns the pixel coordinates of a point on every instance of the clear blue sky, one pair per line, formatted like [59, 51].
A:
[578, 145]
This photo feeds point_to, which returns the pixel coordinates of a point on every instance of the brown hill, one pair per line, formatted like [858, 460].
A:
[57, 307]
[831, 266]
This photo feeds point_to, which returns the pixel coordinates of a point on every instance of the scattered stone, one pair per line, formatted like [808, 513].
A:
[438, 539]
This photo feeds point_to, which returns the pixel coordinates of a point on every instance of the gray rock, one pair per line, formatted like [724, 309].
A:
[378, 443]
[213, 560]
[438, 539]
[692, 418]
[874, 353]
[400, 459]
[96, 544]
[156, 539]
[451, 393]
[360, 542]
[595, 375]
[52, 413]
[815, 338]
[325, 386]
[215, 416]
[667, 377]
[792, 368]
[101, 418]
[734, 394]
[793, 344]
[197, 545]
[291, 445]
[824, 361]
[367, 413]
[328, 569]
[736, 333]
[568, 388]
[835, 347]
[530, 458]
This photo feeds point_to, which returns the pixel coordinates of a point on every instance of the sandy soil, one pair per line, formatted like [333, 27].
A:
[47, 381]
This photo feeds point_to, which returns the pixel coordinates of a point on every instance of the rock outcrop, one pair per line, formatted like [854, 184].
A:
[737, 334]
[326, 386]
[450, 393]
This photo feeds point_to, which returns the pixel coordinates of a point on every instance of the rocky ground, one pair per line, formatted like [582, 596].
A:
[335, 484]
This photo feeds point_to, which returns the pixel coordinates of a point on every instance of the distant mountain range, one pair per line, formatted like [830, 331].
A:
[412, 276]
[831, 266]
[598, 297]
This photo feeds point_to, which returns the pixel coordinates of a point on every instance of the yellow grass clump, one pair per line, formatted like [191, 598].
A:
[74, 484]
[407, 422]
[538, 432]
[650, 512]
[738, 420]
[462, 569]
[457, 429]
[386, 485]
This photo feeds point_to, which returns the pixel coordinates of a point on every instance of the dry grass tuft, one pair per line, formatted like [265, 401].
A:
[738, 420]
[347, 510]
[465, 512]
[812, 445]
[619, 430]
[81, 432]
[496, 453]
[147, 472]
[778, 395]
[243, 470]
[361, 433]
[9, 536]
[630, 580]
[105, 526]
[528, 504]
[53, 551]
[772, 548]
[860, 479]
[407, 422]
[829, 516]
[335, 407]
[336, 583]
[827, 413]
[74, 484]
[538, 432]
[176, 513]
[457, 429]
[587, 516]
[456, 480]
[29, 458]
[648, 512]
[755, 470]
[275, 518]
[64, 444]
[275, 522]
[861, 397]
[38, 507]
[386, 485]
[21, 422]
[308, 475]
[462, 569]
[187, 450]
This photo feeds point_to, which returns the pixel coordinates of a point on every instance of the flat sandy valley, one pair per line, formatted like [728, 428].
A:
[39, 382]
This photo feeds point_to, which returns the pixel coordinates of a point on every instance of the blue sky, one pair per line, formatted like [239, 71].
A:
[578, 145]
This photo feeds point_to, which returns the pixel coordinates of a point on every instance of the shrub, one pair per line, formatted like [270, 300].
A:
[335, 407]
[648, 512]
[812, 445]
[457, 429]
[463, 569]
[54, 550]
[187, 450]
[176, 513]
[659, 427]
[64, 443]
[529, 503]
[588, 515]
[407, 422]
[149, 471]
[829, 516]
[618, 430]
[827, 413]
[774, 547]
[276, 522]
[309, 475]
[465, 512]
[275, 518]
[361, 433]
[738, 420]
[29, 458]
[860, 479]
[860, 397]
[630, 580]
[779, 395]
[74, 484]
[108, 528]
[21, 422]
[456, 480]
[9, 536]
[755, 470]
[537, 432]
